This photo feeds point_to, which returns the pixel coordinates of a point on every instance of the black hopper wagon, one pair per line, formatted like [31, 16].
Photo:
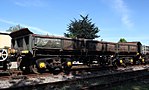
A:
[115, 54]
[129, 53]
[38, 53]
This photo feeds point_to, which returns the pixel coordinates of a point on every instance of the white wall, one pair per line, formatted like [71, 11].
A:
[5, 40]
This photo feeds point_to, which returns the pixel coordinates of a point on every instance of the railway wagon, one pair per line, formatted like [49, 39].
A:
[145, 52]
[100, 51]
[110, 52]
[130, 52]
[37, 53]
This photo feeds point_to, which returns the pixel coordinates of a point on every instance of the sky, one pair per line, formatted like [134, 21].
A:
[116, 19]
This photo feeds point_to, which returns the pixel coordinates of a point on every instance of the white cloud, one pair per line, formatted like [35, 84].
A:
[30, 3]
[36, 29]
[121, 7]
[2, 31]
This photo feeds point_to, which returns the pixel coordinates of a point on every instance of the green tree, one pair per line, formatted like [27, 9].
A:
[14, 28]
[122, 40]
[82, 28]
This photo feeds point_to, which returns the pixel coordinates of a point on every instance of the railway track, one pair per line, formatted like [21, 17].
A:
[76, 70]
[118, 79]
[87, 80]
[15, 74]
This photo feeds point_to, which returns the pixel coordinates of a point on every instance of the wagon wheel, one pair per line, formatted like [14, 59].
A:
[50, 68]
[19, 61]
[66, 69]
[115, 63]
[4, 54]
[22, 65]
[34, 69]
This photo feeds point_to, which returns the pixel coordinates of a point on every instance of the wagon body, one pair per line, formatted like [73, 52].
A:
[101, 47]
[129, 48]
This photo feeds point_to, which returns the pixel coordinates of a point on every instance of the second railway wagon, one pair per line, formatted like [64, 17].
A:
[111, 53]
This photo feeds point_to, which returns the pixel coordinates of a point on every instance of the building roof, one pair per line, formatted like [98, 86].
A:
[1, 33]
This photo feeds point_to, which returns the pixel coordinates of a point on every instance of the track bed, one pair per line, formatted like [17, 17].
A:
[82, 80]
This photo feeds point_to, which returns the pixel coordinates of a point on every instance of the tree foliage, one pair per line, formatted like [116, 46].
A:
[122, 40]
[14, 28]
[82, 28]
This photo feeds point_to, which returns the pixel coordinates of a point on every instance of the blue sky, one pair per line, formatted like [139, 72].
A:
[116, 19]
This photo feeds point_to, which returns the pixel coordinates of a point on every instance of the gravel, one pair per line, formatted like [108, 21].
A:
[56, 78]
[32, 81]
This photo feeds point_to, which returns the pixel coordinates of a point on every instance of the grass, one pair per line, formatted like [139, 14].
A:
[133, 85]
